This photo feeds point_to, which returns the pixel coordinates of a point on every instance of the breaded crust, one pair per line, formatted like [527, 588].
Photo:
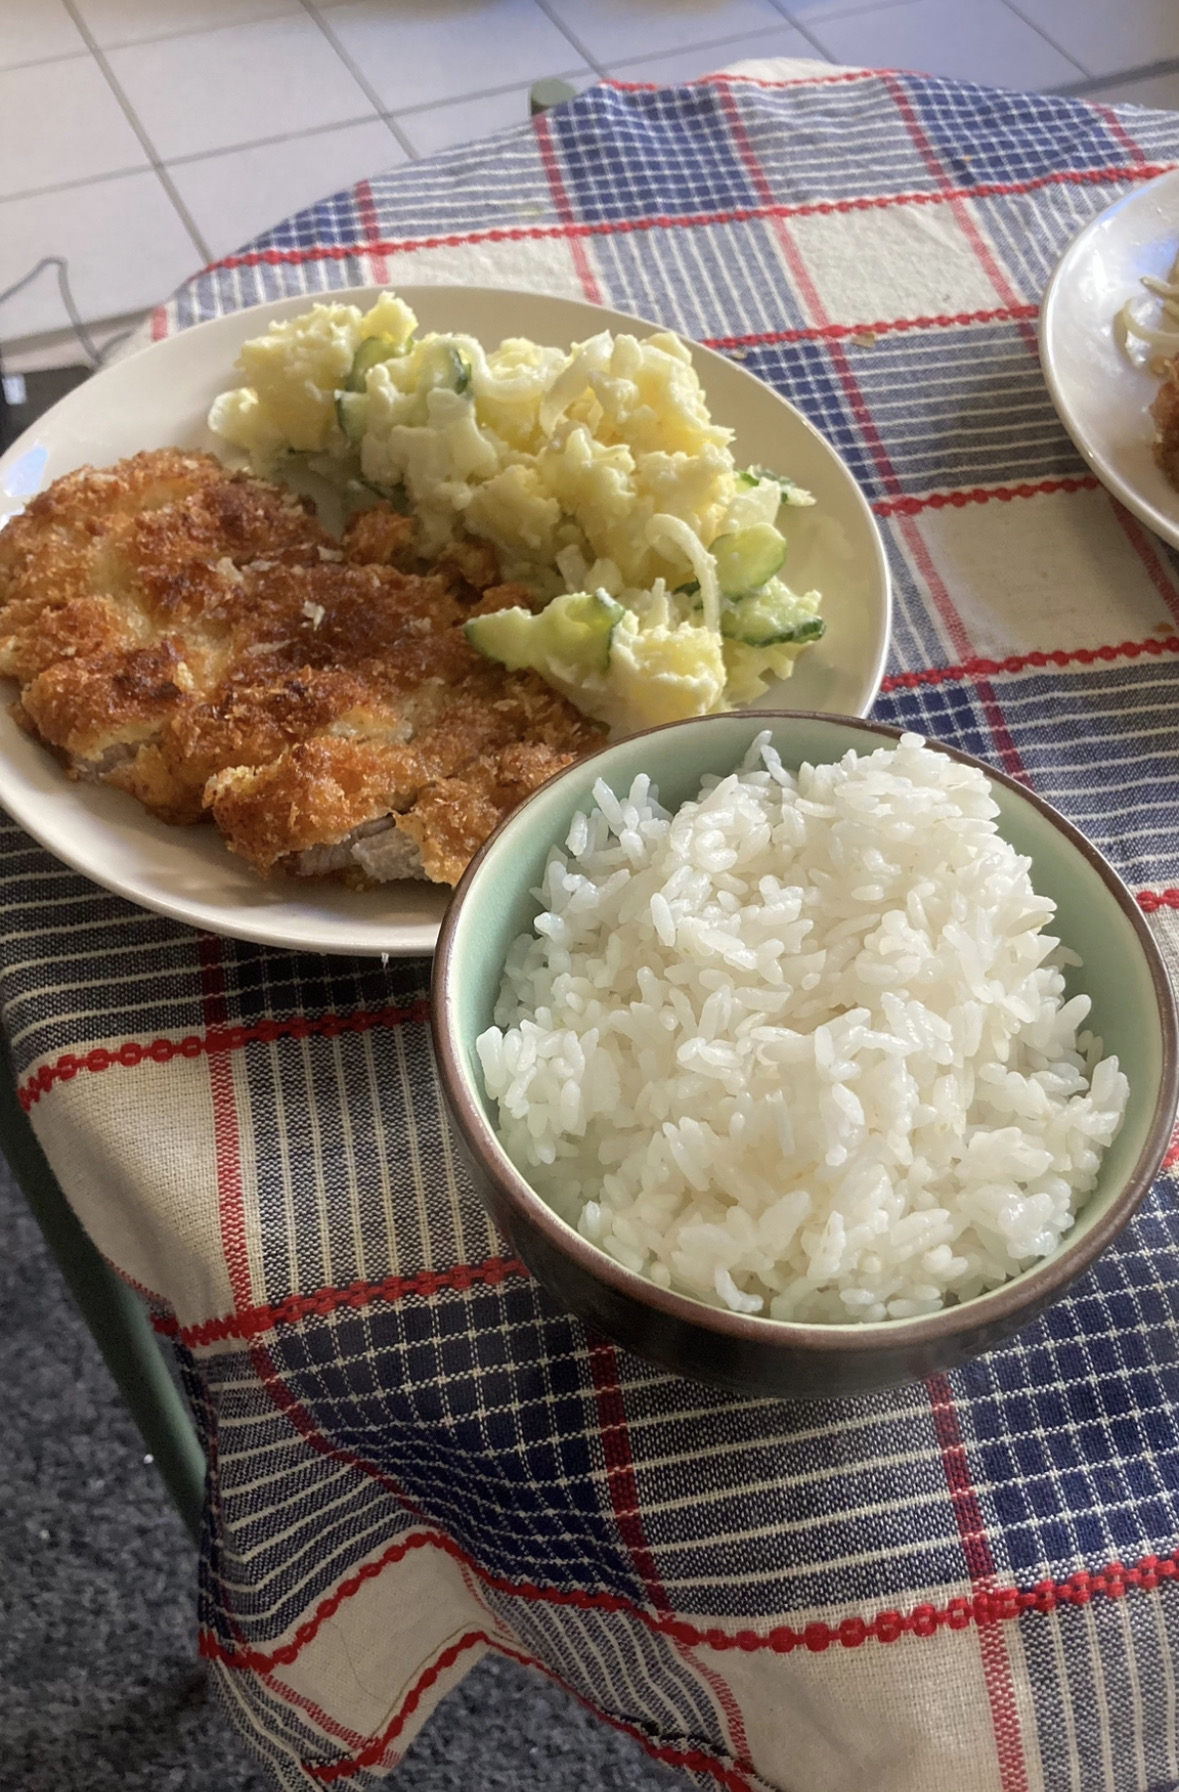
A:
[194, 636]
[1165, 411]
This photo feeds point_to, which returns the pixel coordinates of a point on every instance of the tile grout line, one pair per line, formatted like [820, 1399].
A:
[719, 43]
[1093, 83]
[12, 68]
[461, 99]
[70, 186]
[1013, 8]
[161, 171]
[555, 19]
[361, 79]
[231, 149]
[204, 155]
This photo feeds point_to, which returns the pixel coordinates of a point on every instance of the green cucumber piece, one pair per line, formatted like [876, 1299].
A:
[352, 413]
[769, 619]
[443, 367]
[746, 560]
[573, 631]
[372, 351]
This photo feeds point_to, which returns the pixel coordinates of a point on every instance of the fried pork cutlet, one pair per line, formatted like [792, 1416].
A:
[1165, 411]
[195, 637]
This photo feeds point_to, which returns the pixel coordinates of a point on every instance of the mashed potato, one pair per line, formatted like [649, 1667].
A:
[596, 472]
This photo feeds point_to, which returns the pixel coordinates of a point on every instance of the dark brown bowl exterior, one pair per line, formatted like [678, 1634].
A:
[747, 1356]
[778, 1358]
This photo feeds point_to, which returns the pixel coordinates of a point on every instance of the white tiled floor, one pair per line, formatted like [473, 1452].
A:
[141, 138]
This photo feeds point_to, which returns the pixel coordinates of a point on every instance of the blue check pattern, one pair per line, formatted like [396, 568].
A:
[387, 1389]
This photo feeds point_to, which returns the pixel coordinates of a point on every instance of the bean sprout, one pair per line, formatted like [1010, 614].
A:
[1161, 336]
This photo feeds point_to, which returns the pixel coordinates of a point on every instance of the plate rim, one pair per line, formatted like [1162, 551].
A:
[202, 916]
[1114, 482]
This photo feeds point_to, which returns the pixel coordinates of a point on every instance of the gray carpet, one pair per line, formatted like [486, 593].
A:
[100, 1688]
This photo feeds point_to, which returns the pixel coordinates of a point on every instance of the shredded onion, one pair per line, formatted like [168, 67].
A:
[1162, 335]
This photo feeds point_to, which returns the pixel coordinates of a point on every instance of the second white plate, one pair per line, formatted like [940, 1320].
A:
[161, 398]
[1103, 400]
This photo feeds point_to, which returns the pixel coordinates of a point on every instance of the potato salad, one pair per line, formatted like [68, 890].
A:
[651, 562]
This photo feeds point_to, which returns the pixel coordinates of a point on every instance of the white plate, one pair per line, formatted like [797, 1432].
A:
[1104, 401]
[162, 396]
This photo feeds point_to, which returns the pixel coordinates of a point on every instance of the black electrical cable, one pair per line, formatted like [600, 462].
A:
[67, 298]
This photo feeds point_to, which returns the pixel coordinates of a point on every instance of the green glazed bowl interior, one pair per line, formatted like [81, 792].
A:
[1132, 1006]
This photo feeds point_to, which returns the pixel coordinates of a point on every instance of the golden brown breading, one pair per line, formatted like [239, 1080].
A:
[1165, 411]
[195, 637]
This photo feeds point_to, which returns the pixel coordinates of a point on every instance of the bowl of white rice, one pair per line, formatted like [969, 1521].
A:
[800, 1055]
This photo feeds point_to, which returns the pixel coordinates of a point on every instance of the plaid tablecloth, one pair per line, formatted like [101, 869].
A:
[415, 1456]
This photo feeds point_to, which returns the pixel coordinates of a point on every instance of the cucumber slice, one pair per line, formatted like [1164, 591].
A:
[442, 366]
[746, 560]
[791, 493]
[508, 636]
[769, 619]
[571, 633]
[372, 351]
[352, 413]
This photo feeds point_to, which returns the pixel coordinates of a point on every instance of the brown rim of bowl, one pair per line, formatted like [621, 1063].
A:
[998, 1303]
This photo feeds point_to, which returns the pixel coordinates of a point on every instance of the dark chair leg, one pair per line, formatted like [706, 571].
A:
[546, 94]
[116, 1316]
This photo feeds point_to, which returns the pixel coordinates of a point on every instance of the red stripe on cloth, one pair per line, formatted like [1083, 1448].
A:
[721, 79]
[695, 1760]
[523, 233]
[251, 1322]
[374, 1751]
[939, 591]
[620, 1469]
[987, 1606]
[370, 223]
[958, 202]
[914, 542]
[1145, 547]
[1172, 1157]
[1152, 900]
[1021, 662]
[880, 327]
[355, 1739]
[983, 494]
[159, 323]
[227, 1144]
[1116, 129]
[809, 294]
[980, 1565]
[556, 180]
[215, 1041]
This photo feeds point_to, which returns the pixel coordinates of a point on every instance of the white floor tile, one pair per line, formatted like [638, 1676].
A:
[222, 89]
[440, 127]
[134, 21]
[238, 194]
[1159, 91]
[60, 122]
[124, 241]
[971, 40]
[1107, 35]
[437, 50]
[689, 65]
[803, 11]
[31, 30]
[614, 31]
